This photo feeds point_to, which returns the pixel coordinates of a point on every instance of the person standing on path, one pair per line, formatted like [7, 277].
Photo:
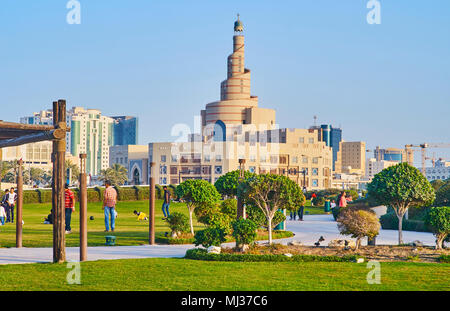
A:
[11, 200]
[166, 203]
[70, 207]
[109, 204]
[342, 200]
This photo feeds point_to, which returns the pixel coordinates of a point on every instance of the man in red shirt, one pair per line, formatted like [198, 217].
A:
[70, 207]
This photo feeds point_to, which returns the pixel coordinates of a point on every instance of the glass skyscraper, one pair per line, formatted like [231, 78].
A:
[125, 131]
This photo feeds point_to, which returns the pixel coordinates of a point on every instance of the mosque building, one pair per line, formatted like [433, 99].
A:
[236, 128]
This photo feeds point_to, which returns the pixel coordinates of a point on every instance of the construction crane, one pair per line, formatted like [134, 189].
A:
[423, 147]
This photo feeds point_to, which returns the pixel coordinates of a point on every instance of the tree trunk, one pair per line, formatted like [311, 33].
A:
[358, 243]
[269, 221]
[440, 240]
[400, 232]
[190, 221]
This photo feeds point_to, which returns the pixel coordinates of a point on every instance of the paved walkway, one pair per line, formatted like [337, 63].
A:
[307, 231]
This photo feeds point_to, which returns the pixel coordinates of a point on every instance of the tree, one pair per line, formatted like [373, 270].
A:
[401, 186]
[271, 192]
[75, 170]
[436, 184]
[227, 184]
[443, 195]
[117, 174]
[439, 219]
[197, 193]
[358, 224]
[34, 175]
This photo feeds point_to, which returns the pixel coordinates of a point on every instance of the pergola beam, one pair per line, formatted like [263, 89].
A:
[33, 138]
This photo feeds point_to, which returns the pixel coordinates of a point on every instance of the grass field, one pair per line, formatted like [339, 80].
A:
[184, 274]
[129, 231]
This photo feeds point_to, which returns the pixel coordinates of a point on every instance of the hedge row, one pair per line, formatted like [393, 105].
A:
[135, 193]
[389, 221]
[444, 258]
[202, 254]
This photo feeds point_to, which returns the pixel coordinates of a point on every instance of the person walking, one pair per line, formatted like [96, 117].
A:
[109, 204]
[11, 200]
[70, 207]
[166, 203]
[2, 215]
[293, 215]
[342, 200]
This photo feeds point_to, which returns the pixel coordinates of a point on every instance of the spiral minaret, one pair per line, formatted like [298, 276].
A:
[235, 95]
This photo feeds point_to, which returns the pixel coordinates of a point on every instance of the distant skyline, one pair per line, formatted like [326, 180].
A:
[163, 61]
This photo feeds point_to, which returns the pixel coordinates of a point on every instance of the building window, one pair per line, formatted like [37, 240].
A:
[311, 140]
[315, 160]
[163, 158]
[301, 140]
[315, 183]
[174, 158]
[263, 159]
[305, 159]
[218, 170]
[218, 158]
[207, 158]
[273, 159]
[294, 159]
[163, 170]
[252, 169]
[315, 171]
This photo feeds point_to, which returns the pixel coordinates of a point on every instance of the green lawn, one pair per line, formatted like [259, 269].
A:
[183, 274]
[129, 231]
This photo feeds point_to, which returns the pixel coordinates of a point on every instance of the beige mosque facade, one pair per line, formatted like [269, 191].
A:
[236, 128]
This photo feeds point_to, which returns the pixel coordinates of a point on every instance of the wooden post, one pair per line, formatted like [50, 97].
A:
[19, 204]
[58, 199]
[83, 208]
[151, 214]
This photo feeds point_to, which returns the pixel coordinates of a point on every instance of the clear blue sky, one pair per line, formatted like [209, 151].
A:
[163, 61]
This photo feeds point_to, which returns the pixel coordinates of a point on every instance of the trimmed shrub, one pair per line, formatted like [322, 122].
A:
[211, 236]
[93, 196]
[389, 221]
[257, 216]
[31, 196]
[358, 224]
[143, 193]
[159, 193]
[444, 258]
[229, 207]
[439, 220]
[45, 196]
[178, 223]
[202, 254]
[126, 193]
[244, 231]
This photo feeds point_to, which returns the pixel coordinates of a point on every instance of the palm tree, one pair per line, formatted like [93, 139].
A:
[119, 173]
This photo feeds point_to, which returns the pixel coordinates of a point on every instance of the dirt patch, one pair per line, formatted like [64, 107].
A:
[380, 253]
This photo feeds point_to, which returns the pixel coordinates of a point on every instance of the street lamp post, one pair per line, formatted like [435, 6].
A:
[240, 204]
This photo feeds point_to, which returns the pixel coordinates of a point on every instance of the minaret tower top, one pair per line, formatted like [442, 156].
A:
[238, 26]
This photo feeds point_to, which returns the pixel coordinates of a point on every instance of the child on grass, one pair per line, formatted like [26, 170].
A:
[2, 215]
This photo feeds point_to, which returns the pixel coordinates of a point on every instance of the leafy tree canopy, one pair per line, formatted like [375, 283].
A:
[227, 184]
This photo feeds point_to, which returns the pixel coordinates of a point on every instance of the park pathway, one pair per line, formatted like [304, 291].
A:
[307, 231]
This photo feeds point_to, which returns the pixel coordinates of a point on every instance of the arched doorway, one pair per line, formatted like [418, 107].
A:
[136, 177]
[220, 131]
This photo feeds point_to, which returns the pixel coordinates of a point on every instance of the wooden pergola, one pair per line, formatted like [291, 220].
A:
[16, 134]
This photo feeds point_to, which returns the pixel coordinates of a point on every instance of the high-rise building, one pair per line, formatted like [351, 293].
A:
[332, 137]
[45, 117]
[235, 128]
[91, 133]
[352, 157]
[125, 130]
[373, 166]
[390, 154]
